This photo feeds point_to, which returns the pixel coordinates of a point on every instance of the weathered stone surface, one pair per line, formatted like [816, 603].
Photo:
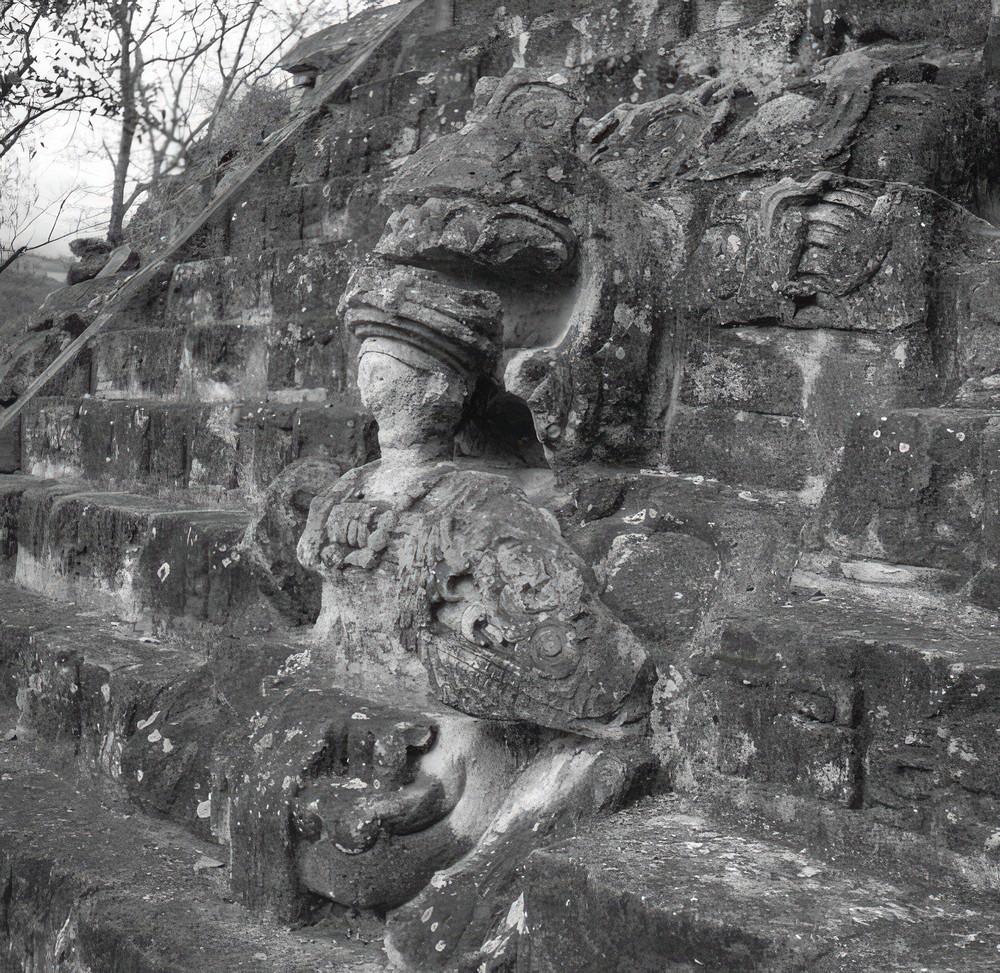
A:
[86, 683]
[660, 883]
[271, 540]
[841, 699]
[151, 562]
[914, 489]
[119, 893]
[732, 551]
[665, 266]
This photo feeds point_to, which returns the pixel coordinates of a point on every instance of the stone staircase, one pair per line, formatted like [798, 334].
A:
[810, 562]
[835, 764]
[134, 637]
[836, 761]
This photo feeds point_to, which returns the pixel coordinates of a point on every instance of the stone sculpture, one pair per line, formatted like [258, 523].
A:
[485, 697]
[510, 204]
[447, 586]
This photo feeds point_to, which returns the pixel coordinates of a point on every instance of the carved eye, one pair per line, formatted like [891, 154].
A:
[551, 652]
[540, 108]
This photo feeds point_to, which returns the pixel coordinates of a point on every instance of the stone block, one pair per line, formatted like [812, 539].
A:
[658, 881]
[767, 714]
[844, 701]
[51, 438]
[914, 488]
[139, 363]
[154, 564]
[742, 447]
[753, 370]
[10, 448]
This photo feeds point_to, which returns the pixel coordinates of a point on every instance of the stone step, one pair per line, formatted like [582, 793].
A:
[237, 328]
[660, 888]
[86, 683]
[839, 696]
[87, 883]
[917, 488]
[144, 712]
[219, 362]
[293, 283]
[769, 407]
[150, 562]
[151, 444]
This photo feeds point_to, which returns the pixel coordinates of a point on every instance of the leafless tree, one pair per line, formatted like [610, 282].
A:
[27, 224]
[51, 61]
[178, 66]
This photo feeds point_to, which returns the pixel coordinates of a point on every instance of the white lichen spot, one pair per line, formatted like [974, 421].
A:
[746, 750]
[205, 808]
[164, 572]
[830, 777]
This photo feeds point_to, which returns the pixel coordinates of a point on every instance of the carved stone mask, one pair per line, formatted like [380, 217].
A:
[509, 205]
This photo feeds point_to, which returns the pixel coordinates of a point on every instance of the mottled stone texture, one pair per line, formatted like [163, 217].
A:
[596, 399]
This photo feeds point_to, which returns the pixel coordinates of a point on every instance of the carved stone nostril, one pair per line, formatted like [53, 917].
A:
[307, 824]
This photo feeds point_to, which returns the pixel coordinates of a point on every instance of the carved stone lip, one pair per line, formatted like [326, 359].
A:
[509, 239]
[631, 718]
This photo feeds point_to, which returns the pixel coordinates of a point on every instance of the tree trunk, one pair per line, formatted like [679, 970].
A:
[991, 50]
[130, 122]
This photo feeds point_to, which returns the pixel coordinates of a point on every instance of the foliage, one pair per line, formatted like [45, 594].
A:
[53, 54]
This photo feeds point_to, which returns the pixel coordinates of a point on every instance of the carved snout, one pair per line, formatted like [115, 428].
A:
[353, 814]
[355, 828]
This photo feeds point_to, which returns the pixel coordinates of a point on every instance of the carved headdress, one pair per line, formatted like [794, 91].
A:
[409, 310]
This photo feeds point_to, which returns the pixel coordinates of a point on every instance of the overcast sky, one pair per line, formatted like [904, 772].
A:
[71, 163]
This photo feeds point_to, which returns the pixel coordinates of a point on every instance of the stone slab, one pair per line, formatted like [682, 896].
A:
[837, 696]
[915, 488]
[657, 888]
[147, 560]
[89, 884]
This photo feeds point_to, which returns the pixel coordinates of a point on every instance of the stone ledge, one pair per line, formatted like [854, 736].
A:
[658, 888]
[148, 561]
[91, 885]
[157, 445]
[841, 696]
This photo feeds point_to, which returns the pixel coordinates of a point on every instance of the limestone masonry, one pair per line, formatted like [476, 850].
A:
[549, 522]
